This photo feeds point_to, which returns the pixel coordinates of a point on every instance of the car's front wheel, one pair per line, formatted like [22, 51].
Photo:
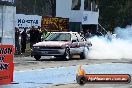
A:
[67, 55]
[37, 57]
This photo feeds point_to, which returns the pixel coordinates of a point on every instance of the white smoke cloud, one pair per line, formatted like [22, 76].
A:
[118, 48]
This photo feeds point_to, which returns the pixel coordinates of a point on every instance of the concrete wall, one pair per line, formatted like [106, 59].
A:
[7, 24]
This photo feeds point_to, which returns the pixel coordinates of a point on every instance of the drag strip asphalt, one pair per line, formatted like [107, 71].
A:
[63, 75]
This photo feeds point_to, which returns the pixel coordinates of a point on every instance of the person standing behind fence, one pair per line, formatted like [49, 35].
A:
[23, 40]
[39, 34]
[109, 35]
[17, 42]
[33, 37]
[88, 34]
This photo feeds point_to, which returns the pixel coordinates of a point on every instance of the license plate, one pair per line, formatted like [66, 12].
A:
[45, 52]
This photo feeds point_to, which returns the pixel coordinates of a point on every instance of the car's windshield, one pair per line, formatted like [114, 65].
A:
[59, 37]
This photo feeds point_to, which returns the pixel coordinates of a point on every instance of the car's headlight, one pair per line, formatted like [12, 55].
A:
[36, 47]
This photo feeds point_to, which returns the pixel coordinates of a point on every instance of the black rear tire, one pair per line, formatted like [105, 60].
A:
[83, 54]
[37, 57]
[67, 55]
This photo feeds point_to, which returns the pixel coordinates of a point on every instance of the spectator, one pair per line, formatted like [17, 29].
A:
[17, 42]
[109, 35]
[39, 34]
[60, 29]
[88, 34]
[33, 37]
[23, 40]
[98, 33]
[82, 33]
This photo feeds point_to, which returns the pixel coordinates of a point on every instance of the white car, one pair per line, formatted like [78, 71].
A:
[61, 44]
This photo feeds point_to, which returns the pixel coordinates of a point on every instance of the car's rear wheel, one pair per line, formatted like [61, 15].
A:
[67, 55]
[37, 57]
[83, 54]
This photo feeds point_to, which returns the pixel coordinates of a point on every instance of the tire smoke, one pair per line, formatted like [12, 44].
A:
[118, 48]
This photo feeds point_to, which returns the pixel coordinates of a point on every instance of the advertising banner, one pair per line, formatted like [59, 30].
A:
[27, 21]
[90, 18]
[6, 64]
[55, 24]
[82, 77]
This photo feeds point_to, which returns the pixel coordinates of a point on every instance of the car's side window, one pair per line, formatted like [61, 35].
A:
[74, 37]
[83, 39]
[80, 38]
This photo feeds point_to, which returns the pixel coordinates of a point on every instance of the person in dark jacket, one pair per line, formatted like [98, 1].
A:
[17, 42]
[33, 36]
[39, 34]
[23, 40]
[88, 34]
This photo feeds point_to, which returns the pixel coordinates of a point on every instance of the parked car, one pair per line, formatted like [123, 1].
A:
[61, 44]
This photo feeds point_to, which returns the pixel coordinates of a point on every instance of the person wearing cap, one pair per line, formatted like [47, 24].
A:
[23, 40]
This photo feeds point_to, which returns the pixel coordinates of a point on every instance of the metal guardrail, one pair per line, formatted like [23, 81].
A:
[103, 29]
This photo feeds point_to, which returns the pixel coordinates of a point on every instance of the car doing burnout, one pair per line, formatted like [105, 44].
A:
[61, 44]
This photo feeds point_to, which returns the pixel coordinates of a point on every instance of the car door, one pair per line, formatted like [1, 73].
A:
[81, 43]
[75, 44]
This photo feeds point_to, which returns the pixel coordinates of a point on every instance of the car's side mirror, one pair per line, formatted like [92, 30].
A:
[74, 41]
[83, 39]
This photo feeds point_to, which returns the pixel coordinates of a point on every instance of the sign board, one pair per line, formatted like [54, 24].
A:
[7, 2]
[12, 1]
[27, 21]
[6, 64]
[90, 18]
[55, 24]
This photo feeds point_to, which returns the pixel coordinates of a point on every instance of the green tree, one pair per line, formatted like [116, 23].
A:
[39, 7]
[115, 13]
